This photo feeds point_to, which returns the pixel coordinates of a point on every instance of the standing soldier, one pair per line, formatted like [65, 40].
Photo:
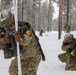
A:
[5, 41]
[67, 28]
[30, 48]
[69, 57]
[41, 32]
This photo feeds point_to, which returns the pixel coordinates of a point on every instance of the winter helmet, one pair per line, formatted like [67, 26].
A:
[68, 36]
[6, 19]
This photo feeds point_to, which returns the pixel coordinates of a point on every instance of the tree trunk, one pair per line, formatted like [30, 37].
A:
[60, 19]
[67, 11]
[33, 14]
[39, 20]
[49, 16]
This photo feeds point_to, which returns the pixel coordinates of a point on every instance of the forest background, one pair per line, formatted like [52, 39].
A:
[44, 14]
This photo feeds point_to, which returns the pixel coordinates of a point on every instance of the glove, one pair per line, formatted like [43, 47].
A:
[6, 40]
[69, 46]
[72, 53]
[17, 36]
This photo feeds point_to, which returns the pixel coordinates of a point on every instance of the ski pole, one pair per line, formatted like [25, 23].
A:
[16, 26]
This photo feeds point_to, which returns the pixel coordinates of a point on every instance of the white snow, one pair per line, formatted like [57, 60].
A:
[51, 46]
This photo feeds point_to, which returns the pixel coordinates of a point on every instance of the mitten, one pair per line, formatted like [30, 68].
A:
[17, 36]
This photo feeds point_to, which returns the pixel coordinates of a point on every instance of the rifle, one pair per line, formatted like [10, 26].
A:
[73, 45]
[10, 33]
[73, 52]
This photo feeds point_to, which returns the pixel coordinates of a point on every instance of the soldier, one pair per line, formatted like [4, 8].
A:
[30, 48]
[67, 28]
[5, 41]
[41, 32]
[69, 57]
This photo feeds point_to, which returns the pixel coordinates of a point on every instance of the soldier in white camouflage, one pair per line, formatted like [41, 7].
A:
[69, 57]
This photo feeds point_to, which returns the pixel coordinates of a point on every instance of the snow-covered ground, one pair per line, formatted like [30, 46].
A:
[51, 47]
